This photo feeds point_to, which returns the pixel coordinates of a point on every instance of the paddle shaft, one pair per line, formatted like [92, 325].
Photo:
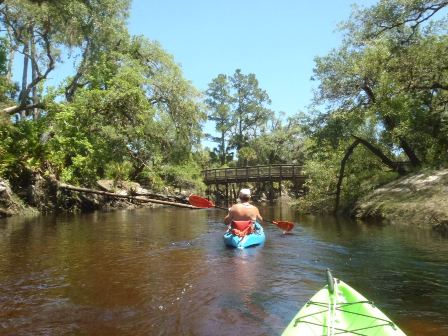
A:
[202, 202]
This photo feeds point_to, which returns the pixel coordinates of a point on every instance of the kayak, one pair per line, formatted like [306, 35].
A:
[256, 238]
[338, 309]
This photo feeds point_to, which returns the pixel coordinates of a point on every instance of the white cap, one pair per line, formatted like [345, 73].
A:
[245, 192]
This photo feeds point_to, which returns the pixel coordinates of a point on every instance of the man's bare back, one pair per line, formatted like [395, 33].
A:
[243, 211]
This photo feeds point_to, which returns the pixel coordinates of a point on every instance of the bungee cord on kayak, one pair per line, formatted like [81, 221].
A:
[339, 309]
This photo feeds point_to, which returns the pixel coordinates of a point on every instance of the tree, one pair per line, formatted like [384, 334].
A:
[238, 108]
[40, 30]
[385, 85]
[249, 108]
[401, 19]
[388, 83]
[219, 104]
[136, 108]
[282, 142]
[175, 101]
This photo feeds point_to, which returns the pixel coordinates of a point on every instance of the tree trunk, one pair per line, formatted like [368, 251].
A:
[73, 86]
[347, 154]
[22, 97]
[415, 161]
[223, 149]
[34, 76]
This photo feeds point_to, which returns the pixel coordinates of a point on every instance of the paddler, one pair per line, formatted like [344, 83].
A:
[243, 210]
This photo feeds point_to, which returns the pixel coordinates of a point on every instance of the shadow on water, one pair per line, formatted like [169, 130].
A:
[166, 271]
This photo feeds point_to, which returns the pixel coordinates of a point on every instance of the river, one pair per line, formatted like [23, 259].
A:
[166, 271]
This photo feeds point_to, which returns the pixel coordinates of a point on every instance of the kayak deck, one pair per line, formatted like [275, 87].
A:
[343, 312]
[256, 238]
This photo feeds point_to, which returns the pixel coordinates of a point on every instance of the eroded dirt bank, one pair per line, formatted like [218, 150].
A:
[420, 200]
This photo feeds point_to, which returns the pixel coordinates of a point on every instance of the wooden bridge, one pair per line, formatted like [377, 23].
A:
[262, 176]
[277, 172]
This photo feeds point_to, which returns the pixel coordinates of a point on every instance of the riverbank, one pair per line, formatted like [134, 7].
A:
[418, 200]
[46, 195]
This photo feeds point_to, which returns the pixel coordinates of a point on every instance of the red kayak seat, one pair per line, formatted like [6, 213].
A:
[241, 228]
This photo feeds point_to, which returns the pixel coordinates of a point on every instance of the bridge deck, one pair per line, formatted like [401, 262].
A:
[254, 174]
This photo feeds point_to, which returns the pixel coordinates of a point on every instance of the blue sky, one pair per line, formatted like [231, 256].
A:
[275, 40]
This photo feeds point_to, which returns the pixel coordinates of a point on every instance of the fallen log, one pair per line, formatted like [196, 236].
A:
[137, 198]
[134, 189]
[163, 197]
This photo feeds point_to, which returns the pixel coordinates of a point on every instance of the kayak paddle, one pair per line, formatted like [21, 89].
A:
[202, 202]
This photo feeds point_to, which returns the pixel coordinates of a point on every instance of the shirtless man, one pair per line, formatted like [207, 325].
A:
[243, 210]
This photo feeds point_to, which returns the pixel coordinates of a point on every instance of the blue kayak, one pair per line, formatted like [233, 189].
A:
[256, 238]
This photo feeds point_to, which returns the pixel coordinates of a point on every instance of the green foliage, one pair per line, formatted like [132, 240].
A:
[283, 144]
[21, 150]
[102, 131]
[320, 186]
[186, 176]
[6, 87]
[247, 155]
[150, 178]
[219, 103]
[118, 171]
[386, 84]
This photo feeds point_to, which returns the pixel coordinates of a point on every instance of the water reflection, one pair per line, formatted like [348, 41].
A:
[167, 271]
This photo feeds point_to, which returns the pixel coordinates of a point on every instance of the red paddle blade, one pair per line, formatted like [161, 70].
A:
[200, 202]
[284, 225]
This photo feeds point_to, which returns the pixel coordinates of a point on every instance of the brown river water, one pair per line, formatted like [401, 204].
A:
[166, 271]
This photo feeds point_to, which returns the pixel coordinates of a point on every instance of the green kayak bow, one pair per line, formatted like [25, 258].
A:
[338, 309]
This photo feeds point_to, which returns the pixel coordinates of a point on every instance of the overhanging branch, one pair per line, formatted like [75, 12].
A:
[394, 166]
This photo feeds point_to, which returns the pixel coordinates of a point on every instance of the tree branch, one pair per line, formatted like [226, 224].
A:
[384, 159]
[18, 108]
[40, 77]
[70, 89]
[394, 166]
[416, 16]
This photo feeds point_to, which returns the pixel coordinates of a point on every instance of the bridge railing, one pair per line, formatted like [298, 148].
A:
[253, 173]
